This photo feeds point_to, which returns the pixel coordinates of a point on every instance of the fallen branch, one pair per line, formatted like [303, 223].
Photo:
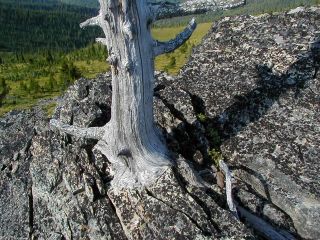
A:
[257, 223]
[263, 227]
[230, 201]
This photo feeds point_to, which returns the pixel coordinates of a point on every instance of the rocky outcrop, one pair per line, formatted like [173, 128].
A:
[250, 91]
[258, 81]
[66, 192]
[179, 8]
[16, 132]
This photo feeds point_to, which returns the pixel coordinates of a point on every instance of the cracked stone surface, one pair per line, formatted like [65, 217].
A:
[67, 194]
[258, 78]
[256, 81]
[16, 132]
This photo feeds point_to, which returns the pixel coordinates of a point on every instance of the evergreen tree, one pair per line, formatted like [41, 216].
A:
[22, 59]
[68, 73]
[51, 84]
[172, 62]
[4, 90]
[23, 87]
[74, 72]
[49, 57]
[34, 86]
[184, 47]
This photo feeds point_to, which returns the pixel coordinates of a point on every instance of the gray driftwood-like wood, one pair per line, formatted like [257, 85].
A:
[131, 141]
[264, 228]
[224, 167]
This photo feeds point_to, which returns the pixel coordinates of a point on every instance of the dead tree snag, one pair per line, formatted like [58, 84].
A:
[130, 140]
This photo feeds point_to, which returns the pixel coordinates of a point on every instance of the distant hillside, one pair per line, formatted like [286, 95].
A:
[37, 24]
[95, 3]
[82, 3]
[29, 25]
[34, 3]
[188, 7]
[252, 7]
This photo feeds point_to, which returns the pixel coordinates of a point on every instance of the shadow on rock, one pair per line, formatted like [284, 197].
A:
[255, 104]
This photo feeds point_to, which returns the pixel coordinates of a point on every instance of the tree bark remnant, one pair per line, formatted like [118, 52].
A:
[131, 141]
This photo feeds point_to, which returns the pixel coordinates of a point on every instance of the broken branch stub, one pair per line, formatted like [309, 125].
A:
[92, 132]
[91, 22]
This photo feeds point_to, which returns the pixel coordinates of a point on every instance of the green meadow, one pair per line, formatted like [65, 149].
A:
[33, 76]
[172, 62]
[26, 77]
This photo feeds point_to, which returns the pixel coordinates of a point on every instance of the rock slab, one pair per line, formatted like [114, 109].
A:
[258, 79]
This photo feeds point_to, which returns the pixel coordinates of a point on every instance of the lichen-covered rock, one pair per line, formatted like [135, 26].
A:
[16, 132]
[259, 82]
[69, 191]
[251, 88]
[145, 213]
[263, 208]
[66, 191]
[88, 103]
[179, 8]
[83, 182]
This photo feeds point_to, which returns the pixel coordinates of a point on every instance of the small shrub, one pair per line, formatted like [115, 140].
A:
[34, 86]
[68, 74]
[51, 84]
[23, 86]
[172, 62]
[4, 90]
[215, 155]
[202, 117]
[184, 48]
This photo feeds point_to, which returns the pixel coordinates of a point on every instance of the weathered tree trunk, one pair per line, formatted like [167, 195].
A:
[130, 140]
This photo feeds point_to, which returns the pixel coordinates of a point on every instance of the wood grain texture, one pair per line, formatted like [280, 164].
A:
[131, 130]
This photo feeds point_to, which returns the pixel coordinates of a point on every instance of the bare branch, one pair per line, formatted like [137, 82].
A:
[166, 47]
[92, 132]
[263, 227]
[230, 202]
[257, 223]
[91, 22]
[103, 41]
